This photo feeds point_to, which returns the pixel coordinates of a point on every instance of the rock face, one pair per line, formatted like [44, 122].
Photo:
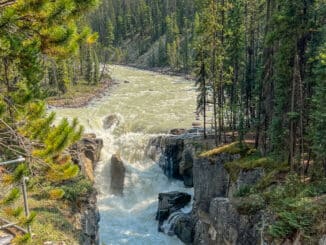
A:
[210, 180]
[184, 228]
[169, 203]
[175, 154]
[214, 219]
[224, 225]
[117, 175]
[90, 218]
[86, 153]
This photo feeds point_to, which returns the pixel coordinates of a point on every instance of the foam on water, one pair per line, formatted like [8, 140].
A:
[149, 105]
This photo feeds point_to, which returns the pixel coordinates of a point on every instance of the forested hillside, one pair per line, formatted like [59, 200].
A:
[259, 64]
[260, 71]
[260, 68]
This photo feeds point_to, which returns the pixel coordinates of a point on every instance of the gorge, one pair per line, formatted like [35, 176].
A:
[149, 105]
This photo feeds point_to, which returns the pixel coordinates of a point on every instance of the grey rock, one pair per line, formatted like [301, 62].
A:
[169, 203]
[117, 175]
[232, 227]
[210, 179]
[86, 153]
[184, 228]
[109, 121]
[186, 167]
[90, 218]
[249, 177]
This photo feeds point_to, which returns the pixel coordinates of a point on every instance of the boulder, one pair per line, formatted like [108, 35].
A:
[178, 131]
[118, 171]
[109, 121]
[169, 203]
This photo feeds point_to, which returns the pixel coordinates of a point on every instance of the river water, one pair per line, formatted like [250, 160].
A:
[147, 104]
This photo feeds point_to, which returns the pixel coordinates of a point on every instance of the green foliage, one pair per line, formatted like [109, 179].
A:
[22, 239]
[27, 221]
[243, 191]
[55, 194]
[77, 189]
[250, 204]
[11, 197]
[318, 130]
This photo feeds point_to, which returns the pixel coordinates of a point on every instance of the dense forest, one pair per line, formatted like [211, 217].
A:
[259, 64]
[260, 70]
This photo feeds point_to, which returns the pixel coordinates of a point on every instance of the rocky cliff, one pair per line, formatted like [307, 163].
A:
[175, 154]
[215, 218]
[86, 153]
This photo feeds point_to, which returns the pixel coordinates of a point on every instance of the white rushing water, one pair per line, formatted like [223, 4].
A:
[147, 105]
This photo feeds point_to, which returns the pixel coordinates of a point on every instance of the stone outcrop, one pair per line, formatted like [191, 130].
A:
[175, 154]
[215, 219]
[117, 175]
[90, 218]
[86, 153]
[168, 204]
[184, 228]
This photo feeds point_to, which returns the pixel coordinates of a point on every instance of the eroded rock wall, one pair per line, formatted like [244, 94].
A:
[86, 153]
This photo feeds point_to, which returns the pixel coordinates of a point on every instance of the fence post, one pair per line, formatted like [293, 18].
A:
[24, 189]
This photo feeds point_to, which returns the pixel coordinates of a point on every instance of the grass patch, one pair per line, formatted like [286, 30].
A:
[80, 89]
[77, 95]
[55, 219]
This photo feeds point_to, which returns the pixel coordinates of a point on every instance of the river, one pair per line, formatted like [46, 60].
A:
[147, 104]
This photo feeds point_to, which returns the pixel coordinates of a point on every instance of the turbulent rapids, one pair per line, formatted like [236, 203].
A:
[143, 105]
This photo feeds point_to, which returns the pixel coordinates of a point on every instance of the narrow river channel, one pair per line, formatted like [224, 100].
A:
[146, 104]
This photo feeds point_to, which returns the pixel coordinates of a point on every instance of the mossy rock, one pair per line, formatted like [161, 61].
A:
[233, 148]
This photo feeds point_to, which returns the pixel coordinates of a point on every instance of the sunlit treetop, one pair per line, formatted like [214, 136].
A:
[48, 25]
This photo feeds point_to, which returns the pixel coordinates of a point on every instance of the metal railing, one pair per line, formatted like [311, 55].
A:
[8, 224]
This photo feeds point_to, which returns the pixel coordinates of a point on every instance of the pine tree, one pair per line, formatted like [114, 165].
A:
[63, 79]
[318, 130]
[96, 68]
[89, 71]
[29, 32]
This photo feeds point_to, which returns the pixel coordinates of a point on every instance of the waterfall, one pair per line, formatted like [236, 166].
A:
[147, 107]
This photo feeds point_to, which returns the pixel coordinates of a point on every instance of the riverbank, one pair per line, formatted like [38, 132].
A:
[161, 70]
[81, 95]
